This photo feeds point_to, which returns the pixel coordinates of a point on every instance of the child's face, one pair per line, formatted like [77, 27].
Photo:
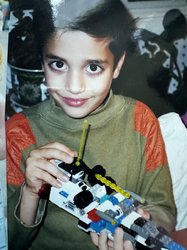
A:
[79, 70]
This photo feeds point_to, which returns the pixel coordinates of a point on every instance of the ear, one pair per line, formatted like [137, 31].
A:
[118, 66]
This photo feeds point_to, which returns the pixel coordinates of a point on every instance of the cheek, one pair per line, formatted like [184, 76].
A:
[53, 81]
[97, 88]
[104, 86]
[49, 76]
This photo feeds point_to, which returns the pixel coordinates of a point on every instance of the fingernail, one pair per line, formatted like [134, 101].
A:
[59, 184]
[75, 154]
[68, 159]
[65, 178]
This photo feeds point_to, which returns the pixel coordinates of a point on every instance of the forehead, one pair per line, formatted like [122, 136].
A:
[77, 43]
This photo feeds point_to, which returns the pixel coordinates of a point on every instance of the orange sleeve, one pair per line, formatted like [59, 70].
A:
[147, 125]
[19, 136]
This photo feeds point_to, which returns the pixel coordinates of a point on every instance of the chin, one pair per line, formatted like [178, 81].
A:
[77, 114]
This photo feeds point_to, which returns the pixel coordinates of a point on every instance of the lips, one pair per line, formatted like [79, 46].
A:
[75, 102]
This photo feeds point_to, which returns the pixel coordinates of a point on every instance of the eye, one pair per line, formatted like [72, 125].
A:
[58, 66]
[94, 68]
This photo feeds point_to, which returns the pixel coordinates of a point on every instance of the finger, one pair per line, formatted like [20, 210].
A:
[118, 239]
[103, 238]
[48, 178]
[45, 177]
[110, 244]
[61, 147]
[52, 153]
[144, 213]
[34, 169]
[128, 245]
[94, 238]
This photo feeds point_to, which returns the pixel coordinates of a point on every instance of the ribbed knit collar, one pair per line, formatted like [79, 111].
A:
[56, 116]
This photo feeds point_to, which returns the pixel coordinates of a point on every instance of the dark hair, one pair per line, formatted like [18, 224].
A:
[109, 19]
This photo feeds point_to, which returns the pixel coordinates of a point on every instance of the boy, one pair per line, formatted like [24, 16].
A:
[82, 53]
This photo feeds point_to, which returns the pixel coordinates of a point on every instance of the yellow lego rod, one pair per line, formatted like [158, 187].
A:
[82, 143]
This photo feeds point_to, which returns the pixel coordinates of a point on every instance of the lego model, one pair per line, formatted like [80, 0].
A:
[102, 205]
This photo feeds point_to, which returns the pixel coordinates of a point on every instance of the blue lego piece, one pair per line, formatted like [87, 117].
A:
[175, 246]
[98, 226]
[127, 202]
[110, 227]
[111, 213]
[63, 193]
[114, 200]
[104, 198]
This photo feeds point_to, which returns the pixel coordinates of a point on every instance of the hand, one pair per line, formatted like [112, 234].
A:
[103, 243]
[41, 168]
[145, 214]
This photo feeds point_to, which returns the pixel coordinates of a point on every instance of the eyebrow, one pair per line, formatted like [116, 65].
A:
[88, 61]
[100, 61]
[51, 56]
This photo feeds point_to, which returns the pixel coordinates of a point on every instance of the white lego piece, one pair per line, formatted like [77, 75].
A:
[129, 220]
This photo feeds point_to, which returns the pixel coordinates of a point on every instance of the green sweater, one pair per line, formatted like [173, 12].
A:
[124, 138]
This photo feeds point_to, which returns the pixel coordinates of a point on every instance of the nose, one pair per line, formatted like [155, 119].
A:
[75, 82]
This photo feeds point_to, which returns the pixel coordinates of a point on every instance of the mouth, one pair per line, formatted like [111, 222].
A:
[75, 102]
